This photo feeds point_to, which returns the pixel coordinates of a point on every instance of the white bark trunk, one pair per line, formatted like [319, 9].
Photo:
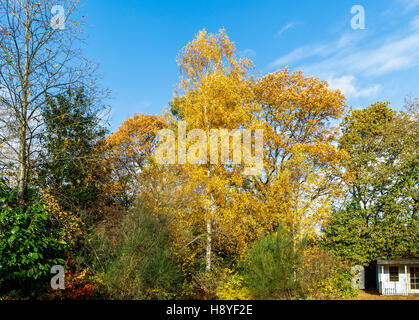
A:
[209, 245]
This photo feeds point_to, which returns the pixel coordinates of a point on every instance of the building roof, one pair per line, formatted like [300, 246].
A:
[413, 260]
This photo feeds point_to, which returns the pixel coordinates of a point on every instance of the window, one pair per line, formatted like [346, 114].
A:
[394, 273]
[414, 278]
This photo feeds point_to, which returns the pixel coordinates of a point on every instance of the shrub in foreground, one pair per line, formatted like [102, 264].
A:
[134, 259]
[270, 269]
[29, 244]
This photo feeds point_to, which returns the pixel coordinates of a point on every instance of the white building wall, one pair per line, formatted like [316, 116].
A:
[387, 287]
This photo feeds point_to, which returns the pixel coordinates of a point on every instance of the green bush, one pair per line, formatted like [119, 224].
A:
[133, 260]
[28, 244]
[270, 269]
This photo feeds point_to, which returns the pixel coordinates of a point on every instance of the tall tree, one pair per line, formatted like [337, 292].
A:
[301, 158]
[70, 167]
[379, 217]
[213, 93]
[39, 56]
[218, 91]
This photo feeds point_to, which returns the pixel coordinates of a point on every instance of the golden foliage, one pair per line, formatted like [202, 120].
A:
[68, 222]
[128, 151]
[218, 205]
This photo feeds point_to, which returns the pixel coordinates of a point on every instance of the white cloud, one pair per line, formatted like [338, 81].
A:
[288, 26]
[414, 24]
[359, 63]
[352, 55]
[315, 50]
[409, 4]
[247, 53]
[347, 84]
[296, 55]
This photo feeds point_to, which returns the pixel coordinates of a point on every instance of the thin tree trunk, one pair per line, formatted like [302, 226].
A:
[209, 230]
[23, 170]
[23, 143]
[209, 245]
[209, 222]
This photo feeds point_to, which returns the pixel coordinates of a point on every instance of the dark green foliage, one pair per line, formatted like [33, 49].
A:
[28, 244]
[380, 216]
[350, 236]
[134, 259]
[270, 270]
[70, 167]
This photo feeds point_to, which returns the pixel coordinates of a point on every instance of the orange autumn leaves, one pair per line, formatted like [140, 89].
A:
[136, 138]
[301, 159]
[128, 150]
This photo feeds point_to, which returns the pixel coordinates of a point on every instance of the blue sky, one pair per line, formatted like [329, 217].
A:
[136, 43]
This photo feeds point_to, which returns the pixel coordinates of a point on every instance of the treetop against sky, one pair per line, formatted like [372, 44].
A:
[137, 43]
